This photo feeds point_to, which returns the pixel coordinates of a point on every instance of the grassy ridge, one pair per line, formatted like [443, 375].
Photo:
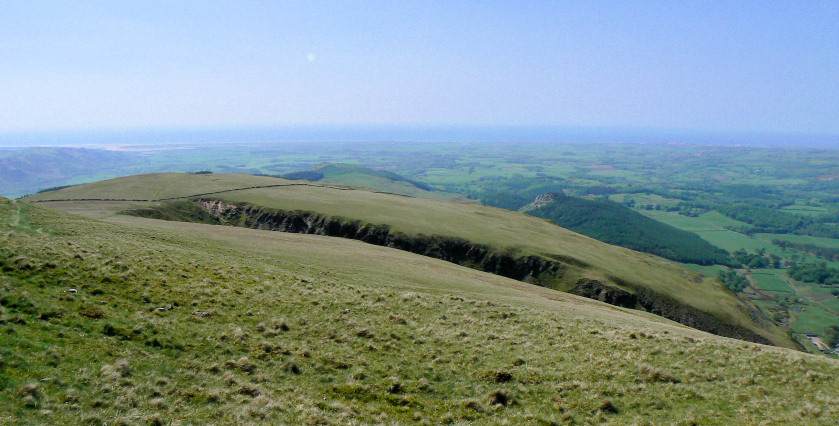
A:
[381, 180]
[194, 323]
[508, 231]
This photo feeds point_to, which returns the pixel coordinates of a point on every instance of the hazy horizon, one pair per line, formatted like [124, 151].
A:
[409, 134]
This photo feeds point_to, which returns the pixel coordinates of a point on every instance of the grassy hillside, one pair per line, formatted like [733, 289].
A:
[142, 321]
[617, 224]
[582, 259]
[381, 180]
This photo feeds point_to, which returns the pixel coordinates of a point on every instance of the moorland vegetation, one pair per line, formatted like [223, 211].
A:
[131, 320]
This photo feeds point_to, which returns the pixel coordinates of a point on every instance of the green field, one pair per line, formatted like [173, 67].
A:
[811, 320]
[713, 232]
[718, 219]
[821, 309]
[358, 176]
[707, 270]
[821, 296]
[802, 239]
[805, 210]
[642, 199]
[770, 281]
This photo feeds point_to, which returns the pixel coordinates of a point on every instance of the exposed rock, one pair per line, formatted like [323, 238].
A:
[541, 201]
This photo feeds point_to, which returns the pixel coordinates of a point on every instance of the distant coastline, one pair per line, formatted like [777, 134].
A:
[426, 134]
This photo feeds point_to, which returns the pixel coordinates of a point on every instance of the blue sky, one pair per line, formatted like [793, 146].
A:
[707, 65]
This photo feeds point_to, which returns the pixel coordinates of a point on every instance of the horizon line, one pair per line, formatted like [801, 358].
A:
[406, 133]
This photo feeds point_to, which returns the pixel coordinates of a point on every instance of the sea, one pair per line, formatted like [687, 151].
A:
[425, 134]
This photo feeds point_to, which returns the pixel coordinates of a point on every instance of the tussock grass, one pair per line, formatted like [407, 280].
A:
[315, 330]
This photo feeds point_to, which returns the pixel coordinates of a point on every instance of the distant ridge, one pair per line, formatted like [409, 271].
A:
[355, 175]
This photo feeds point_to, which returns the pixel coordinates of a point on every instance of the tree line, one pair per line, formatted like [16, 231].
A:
[616, 224]
[819, 251]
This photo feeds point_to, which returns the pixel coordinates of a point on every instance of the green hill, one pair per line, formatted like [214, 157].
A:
[131, 320]
[359, 176]
[506, 243]
[616, 224]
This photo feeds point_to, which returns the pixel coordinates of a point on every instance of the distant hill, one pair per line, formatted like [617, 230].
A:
[30, 170]
[381, 180]
[619, 225]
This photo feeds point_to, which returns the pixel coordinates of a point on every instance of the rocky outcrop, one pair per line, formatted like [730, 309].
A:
[664, 306]
[550, 196]
[541, 201]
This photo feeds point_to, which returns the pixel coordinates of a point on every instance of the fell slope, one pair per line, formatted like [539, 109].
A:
[569, 261]
[29, 170]
[616, 224]
[177, 322]
[359, 176]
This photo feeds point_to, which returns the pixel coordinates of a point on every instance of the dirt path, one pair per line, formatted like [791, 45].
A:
[820, 344]
[15, 219]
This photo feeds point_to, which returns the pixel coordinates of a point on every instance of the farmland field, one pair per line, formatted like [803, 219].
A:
[712, 232]
[769, 281]
[802, 239]
[810, 318]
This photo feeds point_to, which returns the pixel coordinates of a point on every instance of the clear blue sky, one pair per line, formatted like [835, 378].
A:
[707, 65]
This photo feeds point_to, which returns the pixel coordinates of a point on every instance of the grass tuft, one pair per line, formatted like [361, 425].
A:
[499, 376]
[656, 375]
[607, 406]
[499, 397]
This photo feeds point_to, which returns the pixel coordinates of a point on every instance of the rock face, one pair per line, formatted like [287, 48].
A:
[663, 306]
[455, 250]
[541, 201]
[553, 271]
[550, 196]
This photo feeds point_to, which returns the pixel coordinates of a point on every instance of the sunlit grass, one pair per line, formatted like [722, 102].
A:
[501, 229]
[190, 323]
